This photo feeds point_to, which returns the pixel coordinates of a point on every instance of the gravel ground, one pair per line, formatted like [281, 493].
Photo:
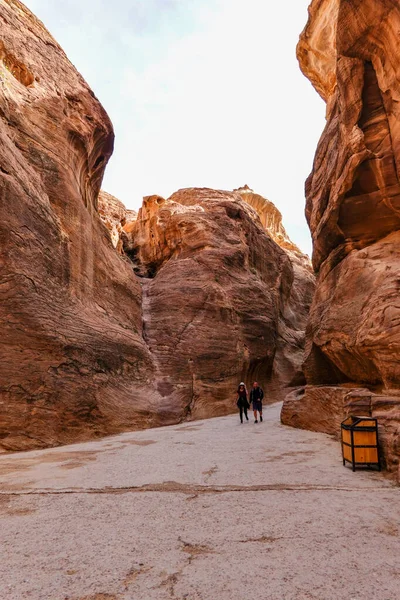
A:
[210, 510]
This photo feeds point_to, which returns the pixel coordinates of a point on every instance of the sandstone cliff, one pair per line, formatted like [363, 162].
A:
[302, 290]
[109, 324]
[271, 220]
[115, 217]
[73, 361]
[349, 51]
[222, 301]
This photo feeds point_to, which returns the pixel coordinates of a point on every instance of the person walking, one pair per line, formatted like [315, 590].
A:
[242, 402]
[256, 397]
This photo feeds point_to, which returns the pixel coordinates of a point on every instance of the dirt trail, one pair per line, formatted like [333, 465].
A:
[211, 510]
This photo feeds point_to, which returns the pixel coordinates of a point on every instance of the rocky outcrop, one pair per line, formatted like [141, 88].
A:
[222, 301]
[349, 52]
[115, 217]
[301, 294]
[323, 408]
[95, 340]
[73, 363]
[271, 220]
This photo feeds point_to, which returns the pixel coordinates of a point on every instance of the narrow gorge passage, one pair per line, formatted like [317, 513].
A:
[203, 510]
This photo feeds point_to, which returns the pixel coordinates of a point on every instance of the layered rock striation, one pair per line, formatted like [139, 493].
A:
[222, 301]
[107, 323]
[73, 361]
[116, 217]
[349, 51]
[271, 220]
[302, 290]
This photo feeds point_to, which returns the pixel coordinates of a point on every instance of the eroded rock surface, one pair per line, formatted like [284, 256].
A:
[73, 361]
[97, 339]
[349, 51]
[115, 217]
[222, 300]
[271, 219]
[301, 294]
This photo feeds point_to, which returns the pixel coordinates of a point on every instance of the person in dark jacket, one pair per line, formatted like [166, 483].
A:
[242, 402]
[256, 396]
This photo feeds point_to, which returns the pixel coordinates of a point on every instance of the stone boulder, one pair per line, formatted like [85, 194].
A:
[348, 50]
[322, 408]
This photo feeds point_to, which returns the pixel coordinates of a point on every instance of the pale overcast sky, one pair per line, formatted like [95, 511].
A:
[201, 93]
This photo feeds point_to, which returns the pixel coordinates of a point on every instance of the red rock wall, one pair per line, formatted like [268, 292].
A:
[271, 220]
[222, 301]
[72, 357]
[87, 346]
[115, 217]
[349, 51]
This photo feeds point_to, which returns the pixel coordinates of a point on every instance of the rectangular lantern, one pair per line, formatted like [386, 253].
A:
[360, 442]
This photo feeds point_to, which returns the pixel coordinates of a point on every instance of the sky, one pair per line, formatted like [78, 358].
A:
[201, 93]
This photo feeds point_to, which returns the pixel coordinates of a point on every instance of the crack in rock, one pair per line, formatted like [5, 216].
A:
[195, 550]
[173, 487]
[264, 539]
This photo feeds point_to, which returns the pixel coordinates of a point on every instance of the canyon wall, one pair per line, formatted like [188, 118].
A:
[116, 217]
[222, 301]
[271, 220]
[73, 363]
[302, 292]
[109, 323]
[349, 51]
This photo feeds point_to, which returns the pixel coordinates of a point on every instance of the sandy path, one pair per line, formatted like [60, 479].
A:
[211, 510]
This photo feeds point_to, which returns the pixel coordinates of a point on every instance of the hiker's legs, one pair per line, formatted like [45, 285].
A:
[245, 412]
[261, 415]
[241, 413]
[255, 416]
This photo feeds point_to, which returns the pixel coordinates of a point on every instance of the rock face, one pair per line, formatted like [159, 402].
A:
[94, 340]
[115, 217]
[73, 361]
[349, 52]
[222, 301]
[302, 290]
[271, 219]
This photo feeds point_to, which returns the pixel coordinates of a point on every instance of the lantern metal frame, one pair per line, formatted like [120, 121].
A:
[354, 427]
